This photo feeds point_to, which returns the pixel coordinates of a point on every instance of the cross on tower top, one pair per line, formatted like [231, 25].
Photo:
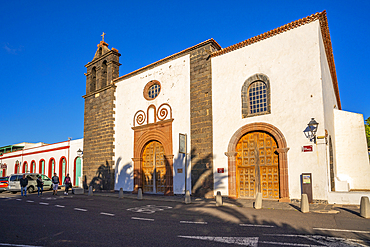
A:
[103, 36]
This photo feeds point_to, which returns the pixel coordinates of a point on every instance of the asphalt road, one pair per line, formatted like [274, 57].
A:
[80, 220]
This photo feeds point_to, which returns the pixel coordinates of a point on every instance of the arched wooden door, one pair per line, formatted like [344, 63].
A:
[257, 166]
[154, 168]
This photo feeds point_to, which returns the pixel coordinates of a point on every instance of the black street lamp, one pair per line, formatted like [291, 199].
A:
[312, 127]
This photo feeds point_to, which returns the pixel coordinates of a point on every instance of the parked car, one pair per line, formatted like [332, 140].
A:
[4, 181]
[15, 186]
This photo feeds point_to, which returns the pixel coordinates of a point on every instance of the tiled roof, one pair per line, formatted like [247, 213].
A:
[326, 38]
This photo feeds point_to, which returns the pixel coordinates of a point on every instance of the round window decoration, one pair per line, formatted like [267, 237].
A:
[152, 90]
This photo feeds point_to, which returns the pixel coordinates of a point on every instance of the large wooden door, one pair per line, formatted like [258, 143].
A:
[154, 168]
[257, 166]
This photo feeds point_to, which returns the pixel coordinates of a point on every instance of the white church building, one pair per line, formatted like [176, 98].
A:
[261, 116]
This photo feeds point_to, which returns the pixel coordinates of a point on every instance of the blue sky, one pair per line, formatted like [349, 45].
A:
[44, 46]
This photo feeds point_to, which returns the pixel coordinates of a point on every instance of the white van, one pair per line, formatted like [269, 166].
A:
[15, 186]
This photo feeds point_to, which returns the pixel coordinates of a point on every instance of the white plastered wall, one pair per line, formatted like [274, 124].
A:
[330, 103]
[174, 77]
[46, 152]
[74, 146]
[291, 60]
[351, 154]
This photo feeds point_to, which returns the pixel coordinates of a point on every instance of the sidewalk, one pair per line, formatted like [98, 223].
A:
[247, 203]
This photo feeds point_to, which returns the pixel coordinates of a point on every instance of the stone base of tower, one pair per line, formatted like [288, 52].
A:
[99, 175]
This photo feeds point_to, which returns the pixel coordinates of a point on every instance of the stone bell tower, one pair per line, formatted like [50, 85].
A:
[98, 149]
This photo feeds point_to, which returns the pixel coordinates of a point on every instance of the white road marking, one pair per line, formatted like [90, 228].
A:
[324, 240]
[247, 241]
[43, 203]
[59, 206]
[19, 199]
[80, 209]
[148, 209]
[193, 222]
[289, 244]
[318, 240]
[255, 225]
[18, 245]
[135, 218]
[29, 201]
[107, 214]
[340, 230]
[49, 198]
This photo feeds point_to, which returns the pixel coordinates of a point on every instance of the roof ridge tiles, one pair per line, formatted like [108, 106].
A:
[271, 33]
[321, 16]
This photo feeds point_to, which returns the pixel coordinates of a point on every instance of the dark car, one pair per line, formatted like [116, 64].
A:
[4, 182]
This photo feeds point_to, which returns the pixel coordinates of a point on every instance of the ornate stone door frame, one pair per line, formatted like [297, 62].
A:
[282, 150]
[161, 131]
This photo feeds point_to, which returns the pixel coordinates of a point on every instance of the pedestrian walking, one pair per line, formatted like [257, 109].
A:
[40, 186]
[24, 182]
[67, 184]
[55, 180]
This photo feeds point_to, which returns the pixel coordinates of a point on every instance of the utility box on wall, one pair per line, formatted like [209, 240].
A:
[306, 185]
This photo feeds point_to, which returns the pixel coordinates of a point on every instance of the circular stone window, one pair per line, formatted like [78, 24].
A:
[152, 89]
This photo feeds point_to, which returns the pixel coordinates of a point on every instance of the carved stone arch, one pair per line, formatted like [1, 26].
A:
[162, 132]
[153, 135]
[259, 77]
[282, 151]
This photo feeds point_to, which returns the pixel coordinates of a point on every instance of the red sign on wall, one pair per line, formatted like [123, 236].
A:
[308, 148]
[220, 170]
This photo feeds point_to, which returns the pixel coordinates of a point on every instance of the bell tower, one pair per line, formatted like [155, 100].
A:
[99, 112]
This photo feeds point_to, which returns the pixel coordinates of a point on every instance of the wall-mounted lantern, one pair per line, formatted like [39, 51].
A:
[312, 129]
[80, 153]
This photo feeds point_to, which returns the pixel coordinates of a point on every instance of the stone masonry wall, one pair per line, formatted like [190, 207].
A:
[201, 121]
[98, 140]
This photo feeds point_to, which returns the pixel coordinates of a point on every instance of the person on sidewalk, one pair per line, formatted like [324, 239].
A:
[40, 186]
[67, 184]
[55, 180]
[24, 182]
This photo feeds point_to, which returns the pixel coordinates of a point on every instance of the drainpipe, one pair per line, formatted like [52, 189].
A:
[69, 148]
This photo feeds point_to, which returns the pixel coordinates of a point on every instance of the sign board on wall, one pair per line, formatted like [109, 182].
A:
[307, 148]
[306, 185]
[220, 170]
[306, 178]
[182, 143]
